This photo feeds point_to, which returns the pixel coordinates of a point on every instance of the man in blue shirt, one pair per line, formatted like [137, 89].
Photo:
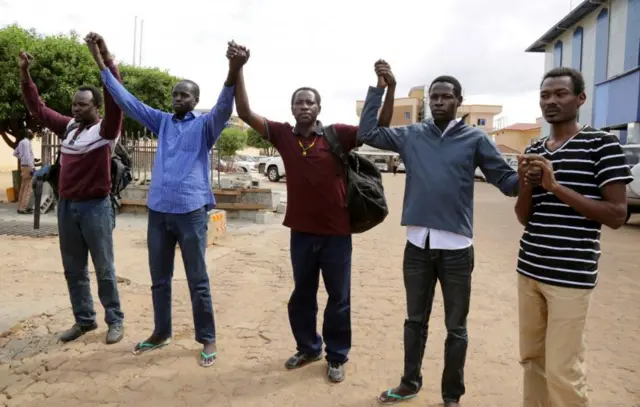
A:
[180, 197]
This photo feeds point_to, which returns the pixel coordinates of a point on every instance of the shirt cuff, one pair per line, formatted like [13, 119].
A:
[376, 90]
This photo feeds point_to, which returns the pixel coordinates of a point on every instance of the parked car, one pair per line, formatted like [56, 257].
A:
[382, 164]
[261, 164]
[632, 153]
[274, 169]
[244, 163]
[401, 167]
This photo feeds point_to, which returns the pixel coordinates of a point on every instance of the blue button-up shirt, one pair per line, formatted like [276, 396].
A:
[180, 179]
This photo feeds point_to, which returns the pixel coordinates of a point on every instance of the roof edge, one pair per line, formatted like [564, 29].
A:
[572, 18]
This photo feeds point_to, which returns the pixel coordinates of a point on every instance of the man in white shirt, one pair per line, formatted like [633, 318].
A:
[24, 153]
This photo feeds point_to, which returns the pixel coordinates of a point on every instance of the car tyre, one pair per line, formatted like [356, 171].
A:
[272, 174]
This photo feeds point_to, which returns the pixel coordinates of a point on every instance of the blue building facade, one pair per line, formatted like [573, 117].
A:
[601, 38]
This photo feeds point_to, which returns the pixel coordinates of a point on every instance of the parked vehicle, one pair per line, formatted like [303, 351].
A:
[382, 164]
[274, 169]
[244, 163]
[632, 153]
[261, 164]
[401, 167]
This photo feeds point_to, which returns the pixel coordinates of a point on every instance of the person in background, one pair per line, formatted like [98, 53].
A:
[180, 198]
[441, 155]
[24, 153]
[85, 213]
[584, 174]
[319, 221]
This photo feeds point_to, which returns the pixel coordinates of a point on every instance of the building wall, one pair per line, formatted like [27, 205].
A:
[617, 40]
[516, 139]
[617, 37]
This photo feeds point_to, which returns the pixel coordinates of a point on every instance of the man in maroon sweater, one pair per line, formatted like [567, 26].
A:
[318, 218]
[85, 213]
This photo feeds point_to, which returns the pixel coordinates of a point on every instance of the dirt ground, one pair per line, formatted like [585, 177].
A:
[251, 283]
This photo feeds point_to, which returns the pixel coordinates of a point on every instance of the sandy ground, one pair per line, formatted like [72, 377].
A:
[251, 283]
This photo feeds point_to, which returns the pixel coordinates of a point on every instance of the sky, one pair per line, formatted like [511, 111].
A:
[329, 45]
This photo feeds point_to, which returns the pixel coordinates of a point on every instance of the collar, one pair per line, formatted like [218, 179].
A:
[318, 129]
[188, 116]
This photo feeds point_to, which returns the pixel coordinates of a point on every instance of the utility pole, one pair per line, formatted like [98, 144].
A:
[140, 49]
[135, 34]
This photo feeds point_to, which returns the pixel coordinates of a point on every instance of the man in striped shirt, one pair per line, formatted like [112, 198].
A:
[582, 187]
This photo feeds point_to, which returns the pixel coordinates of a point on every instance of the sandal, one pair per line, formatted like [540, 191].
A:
[207, 360]
[389, 397]
[144, 347]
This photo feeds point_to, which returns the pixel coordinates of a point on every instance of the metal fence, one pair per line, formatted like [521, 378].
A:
[141, 146]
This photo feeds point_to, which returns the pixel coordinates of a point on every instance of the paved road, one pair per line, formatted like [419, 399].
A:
[251, 280]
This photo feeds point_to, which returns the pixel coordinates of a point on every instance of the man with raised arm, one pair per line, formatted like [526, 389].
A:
[440, 155]
[179, 199]
[318, 219]
[584, 174]
[85, 213]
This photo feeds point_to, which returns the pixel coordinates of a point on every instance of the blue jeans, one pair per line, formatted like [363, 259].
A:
[189, 230]
[87, 227]
[332, 254]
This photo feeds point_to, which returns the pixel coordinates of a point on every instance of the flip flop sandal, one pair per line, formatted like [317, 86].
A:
[391, 398]
[144, 347]
[207, 360]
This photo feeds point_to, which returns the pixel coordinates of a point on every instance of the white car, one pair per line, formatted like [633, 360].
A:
[381, 164]
[244, 163]
[274, 169]
[401, 167]
[632, 153]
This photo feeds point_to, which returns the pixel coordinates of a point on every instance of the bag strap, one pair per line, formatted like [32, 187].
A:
[71, 128]
[336, 147]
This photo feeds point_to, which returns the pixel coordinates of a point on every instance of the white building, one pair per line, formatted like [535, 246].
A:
[601, 38]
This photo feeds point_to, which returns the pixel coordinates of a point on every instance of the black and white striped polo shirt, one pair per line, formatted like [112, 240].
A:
[559, 245]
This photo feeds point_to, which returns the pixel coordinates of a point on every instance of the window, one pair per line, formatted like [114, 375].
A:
[602, 45]
[557, 55]
[482, 122]
[407, 115]
[576, 49]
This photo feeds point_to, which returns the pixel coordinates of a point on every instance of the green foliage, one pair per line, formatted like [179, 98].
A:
[230, 141]
[62, 63]
[255, 140]
[152, 86]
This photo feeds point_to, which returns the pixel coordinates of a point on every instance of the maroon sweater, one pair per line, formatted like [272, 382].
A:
[85, 164]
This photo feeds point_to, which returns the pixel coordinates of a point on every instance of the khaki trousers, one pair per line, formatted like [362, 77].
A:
[25, 187]
[552, 348]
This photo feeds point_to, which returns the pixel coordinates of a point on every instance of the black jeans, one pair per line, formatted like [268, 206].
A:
[332, 254]
[422, 268]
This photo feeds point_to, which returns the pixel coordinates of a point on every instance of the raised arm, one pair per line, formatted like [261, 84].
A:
[111, 124]
[47, 117]
[374, 131]
[147, 116]
[495, 168]
[218, 117]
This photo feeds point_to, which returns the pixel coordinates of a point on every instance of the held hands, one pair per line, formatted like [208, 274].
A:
[384, 74]
[536, 170]
[238, 55]
[98, 48]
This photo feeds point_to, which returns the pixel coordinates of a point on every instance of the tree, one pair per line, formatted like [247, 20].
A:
[62, 63]
[152, 86]
[255, 140]
[230, 141]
